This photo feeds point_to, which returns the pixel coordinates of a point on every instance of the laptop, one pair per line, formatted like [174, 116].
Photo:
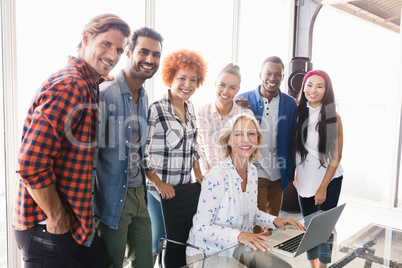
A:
[292, 242]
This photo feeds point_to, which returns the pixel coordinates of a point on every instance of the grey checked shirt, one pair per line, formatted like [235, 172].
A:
[171, 144]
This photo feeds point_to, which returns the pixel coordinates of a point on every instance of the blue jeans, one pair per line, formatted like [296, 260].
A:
[307, 205]
[158, 227]
[43, 249]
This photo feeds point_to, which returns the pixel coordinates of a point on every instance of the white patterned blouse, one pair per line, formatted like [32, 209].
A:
[219, 218]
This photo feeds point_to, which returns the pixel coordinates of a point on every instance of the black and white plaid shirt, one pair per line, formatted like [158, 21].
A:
[171, 143]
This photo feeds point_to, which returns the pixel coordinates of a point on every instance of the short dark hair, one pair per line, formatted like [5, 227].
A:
[105, 22]
[273, 59]
[145, 32]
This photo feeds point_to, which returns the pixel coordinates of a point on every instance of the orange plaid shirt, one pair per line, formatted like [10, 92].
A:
[57, 147]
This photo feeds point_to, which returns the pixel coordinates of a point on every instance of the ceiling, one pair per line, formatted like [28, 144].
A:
[386, 13]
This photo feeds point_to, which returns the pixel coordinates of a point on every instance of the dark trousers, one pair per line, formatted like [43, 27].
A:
[43, 249]
[307, 205]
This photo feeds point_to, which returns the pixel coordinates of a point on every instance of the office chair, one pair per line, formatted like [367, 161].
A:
[178, 215]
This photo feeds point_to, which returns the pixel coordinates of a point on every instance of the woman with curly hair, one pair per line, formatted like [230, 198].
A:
[171, 150]
[319, 144]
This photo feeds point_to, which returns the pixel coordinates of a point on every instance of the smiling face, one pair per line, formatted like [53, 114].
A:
[314, 90]
[184, 84]
[271, 78]
[103, 51]
[243, 140]
[227, 86]
[145, 58]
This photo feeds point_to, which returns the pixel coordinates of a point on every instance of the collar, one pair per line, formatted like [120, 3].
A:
[213, 108]
[228, 162]
[233, 111]
[82, 68]
[312, 108]
[280, 94]
[274, 99]
[121, 80]
[167, 104]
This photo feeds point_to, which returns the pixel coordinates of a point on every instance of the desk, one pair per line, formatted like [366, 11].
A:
[371, 246]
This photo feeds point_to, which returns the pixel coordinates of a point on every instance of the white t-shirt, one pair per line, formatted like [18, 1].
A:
[268, 165]
[310, 173]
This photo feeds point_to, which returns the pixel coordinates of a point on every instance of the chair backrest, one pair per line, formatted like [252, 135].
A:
[178, 215]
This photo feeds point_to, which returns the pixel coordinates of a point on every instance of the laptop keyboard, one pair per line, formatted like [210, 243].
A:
[292, 244]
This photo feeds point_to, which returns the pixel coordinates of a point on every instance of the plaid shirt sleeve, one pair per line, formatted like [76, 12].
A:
[44, 130]
[195, 149]
[57, 148]
[152, 118]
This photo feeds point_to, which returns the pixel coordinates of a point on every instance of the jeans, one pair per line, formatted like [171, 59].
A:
[43, 249]
[157, 224]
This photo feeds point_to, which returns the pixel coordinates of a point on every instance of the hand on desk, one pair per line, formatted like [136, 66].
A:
[254, 240]
[257, 240]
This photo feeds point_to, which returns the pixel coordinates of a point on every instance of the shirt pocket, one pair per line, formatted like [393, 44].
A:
[174, 136]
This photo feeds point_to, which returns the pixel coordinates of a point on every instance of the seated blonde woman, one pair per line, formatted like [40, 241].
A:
[227, 208]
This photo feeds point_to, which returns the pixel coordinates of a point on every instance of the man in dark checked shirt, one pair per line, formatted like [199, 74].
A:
[53, 220]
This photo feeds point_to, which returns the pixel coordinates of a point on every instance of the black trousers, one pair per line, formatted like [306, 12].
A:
[43, 249]
[323, 251]
[308, 206]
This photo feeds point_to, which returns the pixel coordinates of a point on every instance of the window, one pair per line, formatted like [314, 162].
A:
[3, 222]
[362, 60]
[204, 26]
[264, 32]
[45, 39]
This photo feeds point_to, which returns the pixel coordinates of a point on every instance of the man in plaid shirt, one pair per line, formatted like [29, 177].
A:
[53, 220]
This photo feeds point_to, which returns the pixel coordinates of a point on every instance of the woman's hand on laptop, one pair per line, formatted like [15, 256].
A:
[255, 240]
[281, 223]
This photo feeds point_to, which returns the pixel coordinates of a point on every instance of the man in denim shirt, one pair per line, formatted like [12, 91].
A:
[120, 194]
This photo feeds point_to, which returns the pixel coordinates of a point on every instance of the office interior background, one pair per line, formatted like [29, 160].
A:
[357, 42]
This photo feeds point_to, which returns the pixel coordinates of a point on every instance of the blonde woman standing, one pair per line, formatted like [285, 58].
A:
[213, 116]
